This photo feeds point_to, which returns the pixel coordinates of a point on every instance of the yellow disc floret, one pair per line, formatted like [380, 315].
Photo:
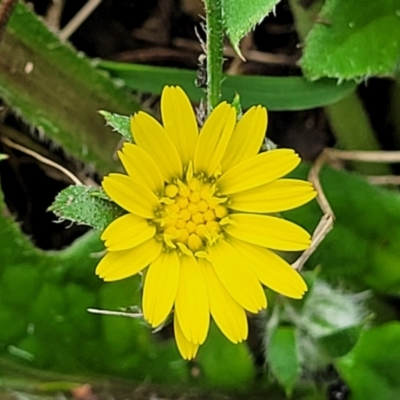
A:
[190, 213]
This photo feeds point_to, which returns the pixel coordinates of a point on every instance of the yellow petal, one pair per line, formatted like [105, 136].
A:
[160, 287]
[179, 121]
[126, 232]
[214, 138]
[236, 277]
[187, 349]
[118, 265]
[141, 167]
[272, 232]
[258, 170]
[151, 136]
[191, 304]
[130, 195]
[247, 137]
[277, 196]
[227, 313]
[272, 270]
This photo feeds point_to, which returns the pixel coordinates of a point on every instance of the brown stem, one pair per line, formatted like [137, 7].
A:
[6, 9]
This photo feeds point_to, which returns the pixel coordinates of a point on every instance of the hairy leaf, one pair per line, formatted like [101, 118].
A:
[119, 123]
[58, 90]
[86, 205]
[242, 15]
[283, 357]
[339, 343]
[354, 39]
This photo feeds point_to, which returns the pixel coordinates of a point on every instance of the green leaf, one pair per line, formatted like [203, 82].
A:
[372, 368]
[119, 123]
[353, 40]
[226, 365]
[242, 15]
[339, 343]
[44, 297]
[236, 103]
[275, 93]
[86, 205]
[283, 358]
[58, 90]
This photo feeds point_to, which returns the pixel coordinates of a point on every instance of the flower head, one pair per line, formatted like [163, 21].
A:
[197, 216]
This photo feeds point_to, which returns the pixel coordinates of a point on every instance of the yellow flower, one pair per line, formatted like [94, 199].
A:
[196, 217]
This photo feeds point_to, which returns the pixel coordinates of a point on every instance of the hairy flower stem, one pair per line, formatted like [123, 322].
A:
[215, 36]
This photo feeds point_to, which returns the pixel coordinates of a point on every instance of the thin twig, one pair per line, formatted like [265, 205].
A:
[384, 180]
[325, 224]
[386, 157]
[78, 19]
[313, 176]
[42, 159]
[115, 313]
[6, 9]
[53, 14]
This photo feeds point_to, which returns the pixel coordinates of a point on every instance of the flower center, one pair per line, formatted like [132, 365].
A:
[191, 215]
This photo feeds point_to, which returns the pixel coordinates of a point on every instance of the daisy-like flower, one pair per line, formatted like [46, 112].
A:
[198, 206]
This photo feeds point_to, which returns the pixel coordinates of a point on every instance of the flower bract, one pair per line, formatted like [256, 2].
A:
[201, 218]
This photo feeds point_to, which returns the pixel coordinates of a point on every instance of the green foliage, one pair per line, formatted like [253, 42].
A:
[236, 103]
[58, 90]
[87, 206]
[339, 343]
[44, 323]
[240, 16]
[275, 93]
[353, 40]
[283, 357]
[225, 365]
[119, 123]
[306, 336]
[46, 319]
[371, 369]
[353, 131]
